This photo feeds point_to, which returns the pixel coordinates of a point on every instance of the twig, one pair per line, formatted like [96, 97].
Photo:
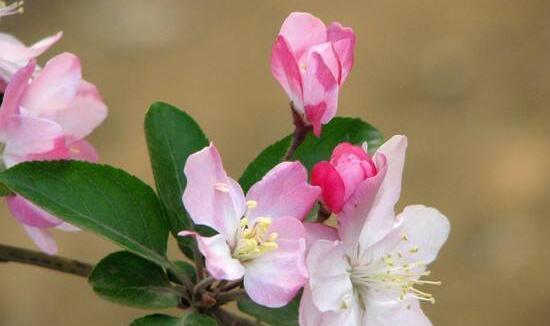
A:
[301, 129]
[225, 297]
[229, 319]
[57, 263]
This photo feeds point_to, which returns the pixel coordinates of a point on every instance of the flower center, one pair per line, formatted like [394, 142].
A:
[398, 273]
[254, 240]
[11, 9]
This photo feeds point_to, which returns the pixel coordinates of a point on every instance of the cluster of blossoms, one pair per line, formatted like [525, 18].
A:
[366, 270]
[46, 114]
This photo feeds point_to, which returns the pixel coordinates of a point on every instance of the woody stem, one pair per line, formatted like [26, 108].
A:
[301, 129]
[57, 263]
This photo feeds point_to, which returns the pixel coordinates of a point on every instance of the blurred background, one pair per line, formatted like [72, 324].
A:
[467, 81]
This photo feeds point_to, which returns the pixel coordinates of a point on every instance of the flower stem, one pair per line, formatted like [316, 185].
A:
[227, 318]
[301, 129]
[57, 263]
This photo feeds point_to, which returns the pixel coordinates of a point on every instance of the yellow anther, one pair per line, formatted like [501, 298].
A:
[273, 236]
[251, 204]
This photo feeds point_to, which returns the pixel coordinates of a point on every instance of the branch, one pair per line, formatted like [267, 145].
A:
[57, 263]
[301, 129]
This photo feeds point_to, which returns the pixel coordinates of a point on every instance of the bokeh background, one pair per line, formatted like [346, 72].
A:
[467, 81]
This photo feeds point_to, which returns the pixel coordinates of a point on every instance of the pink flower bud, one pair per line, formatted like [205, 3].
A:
[339, 177]
[311, 62]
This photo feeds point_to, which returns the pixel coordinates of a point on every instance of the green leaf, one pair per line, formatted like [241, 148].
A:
[189, 319]
[125, 278]
[313, 149]
[284, 316]
[184, 268]
[172, 136]
[97, 198]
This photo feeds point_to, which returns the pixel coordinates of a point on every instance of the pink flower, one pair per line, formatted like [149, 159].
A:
[371, 276]
[47, 118]
[348, 167]
[261, 236]
[14, 55]
[311, 62]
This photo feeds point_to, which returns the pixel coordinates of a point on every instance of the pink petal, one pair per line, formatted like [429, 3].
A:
[327, 177]
[11, 49]
[320, 92]
[83, 151]
[283, 191]
[345, 149]
[42, 238]
[311, 316]
[211, 197]
[29, 214]
[343, 41]
[14, 92]
[217, 253]
[26, 136]
[288, 228]
[360, 211]
[274, 278]
[326, 51]
[302, 31]
[60, 151]
[284, 68]
[84, 113]
[328, 275]
[55, 86]
[318, 231]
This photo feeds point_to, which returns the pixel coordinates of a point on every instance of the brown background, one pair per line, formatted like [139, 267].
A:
[467, 81]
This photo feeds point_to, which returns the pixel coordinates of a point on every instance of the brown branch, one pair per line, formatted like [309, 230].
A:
[301, 129]
[57, 263]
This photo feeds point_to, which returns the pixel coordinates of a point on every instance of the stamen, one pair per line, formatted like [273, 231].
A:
[254, 241]
[399, 273]
[11, 9]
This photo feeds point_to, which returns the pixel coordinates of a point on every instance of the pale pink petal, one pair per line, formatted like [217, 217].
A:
[25, 135]
[329, 277]
[211, 197]
[311, 316]
[217, 253]
[284, 68]
[11, 49]
[346, 149]
[55, 86]
[84, 113]
[407, 312]
[29, 214]
[327, 177]
[42, 238]
[425, 229]
[318, 231]
[274, 278]
[14, 91]
[283, 191]
[302, 31]
[343, 42]
[67, 227]
[358, 213]
[394, 150]
[320, 92]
